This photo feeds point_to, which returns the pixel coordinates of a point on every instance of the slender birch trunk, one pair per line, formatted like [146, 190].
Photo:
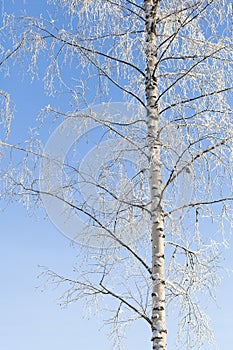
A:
[158, 291]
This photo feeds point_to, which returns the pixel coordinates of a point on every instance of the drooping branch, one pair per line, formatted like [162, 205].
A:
[94, 219]
[199, 203]
[90, 50]
[176, 172]
[125, 302]
[124, 7]
[11, 53]
[188, 71]
[196, 98]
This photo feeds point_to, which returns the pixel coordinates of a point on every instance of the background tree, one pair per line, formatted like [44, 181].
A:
[162, 218]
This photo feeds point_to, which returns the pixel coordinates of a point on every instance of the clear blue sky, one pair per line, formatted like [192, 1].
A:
[31, 319]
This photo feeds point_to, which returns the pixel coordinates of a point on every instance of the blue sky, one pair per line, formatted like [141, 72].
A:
[31, 319]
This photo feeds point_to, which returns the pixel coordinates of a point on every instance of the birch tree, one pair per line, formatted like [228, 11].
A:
[158, 210]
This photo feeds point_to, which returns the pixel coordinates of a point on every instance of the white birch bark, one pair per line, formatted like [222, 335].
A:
[158, 283]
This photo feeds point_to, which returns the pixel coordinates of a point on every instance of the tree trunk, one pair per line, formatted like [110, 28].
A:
[157, 231]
